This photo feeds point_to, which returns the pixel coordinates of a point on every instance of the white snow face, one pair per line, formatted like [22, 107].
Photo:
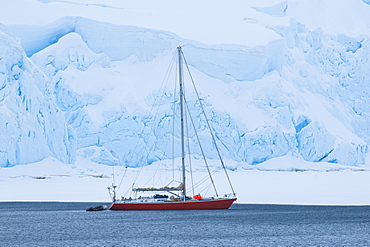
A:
[90, 81]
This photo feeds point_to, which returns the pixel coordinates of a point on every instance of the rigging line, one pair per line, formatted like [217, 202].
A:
[172, 182]
[166, 78]
[155, 119]
[124, 174]
[206, 187]
[201, 181]
[204, 179]
[189, 153]
[201, 147]
[152, 178]
[209, 127]
[137, 175]
[173, 109]
[173, 129]
[114, 179]
[175, 99]
[147, 156]
[160, 163]
[155, 142]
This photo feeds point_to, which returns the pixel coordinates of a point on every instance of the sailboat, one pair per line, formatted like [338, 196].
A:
[169, 197]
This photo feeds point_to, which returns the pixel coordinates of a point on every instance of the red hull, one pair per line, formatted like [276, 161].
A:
[187, 205]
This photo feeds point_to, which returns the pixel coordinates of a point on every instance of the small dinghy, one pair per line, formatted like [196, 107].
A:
[97, 208]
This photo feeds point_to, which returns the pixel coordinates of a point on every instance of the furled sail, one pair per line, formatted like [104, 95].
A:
[165, 188]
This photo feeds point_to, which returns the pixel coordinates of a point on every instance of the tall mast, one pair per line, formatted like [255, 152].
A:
[182, 123]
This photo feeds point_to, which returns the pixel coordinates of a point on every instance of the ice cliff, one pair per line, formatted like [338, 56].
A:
[32, 126]
[83, 87]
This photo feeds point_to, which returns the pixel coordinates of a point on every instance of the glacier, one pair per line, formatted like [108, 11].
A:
[32, 125]
[83, 87]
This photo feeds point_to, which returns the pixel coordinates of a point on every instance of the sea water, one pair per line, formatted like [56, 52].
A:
[68, 224]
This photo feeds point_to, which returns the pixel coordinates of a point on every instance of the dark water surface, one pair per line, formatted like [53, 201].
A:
[68, 224]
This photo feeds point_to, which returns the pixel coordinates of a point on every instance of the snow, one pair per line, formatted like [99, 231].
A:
[334, 17]
[186, 20]
[284, 84]
[292, 183]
